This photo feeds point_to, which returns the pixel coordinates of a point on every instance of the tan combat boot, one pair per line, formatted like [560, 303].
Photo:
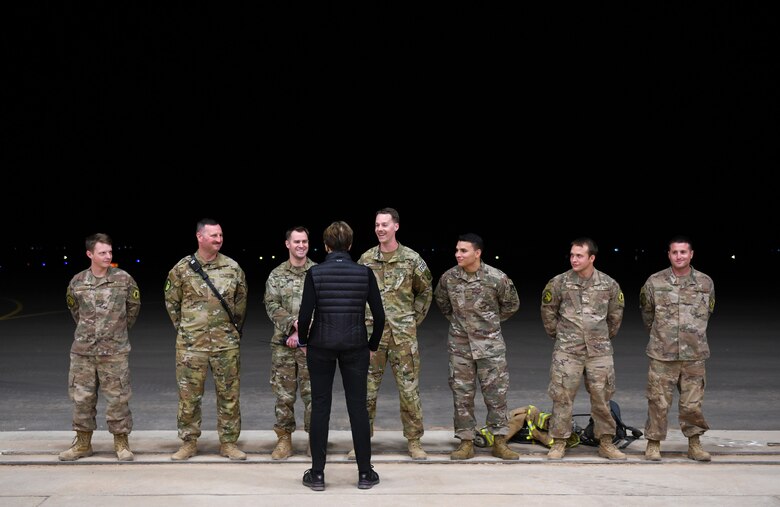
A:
[696, 451]
[608, 450]
[188, 449]
[464, 451]
[283, 449]
[558, 449]
[653, 450]
[231, 450]
[122, 447]
[81, 447]
[501, 450]
[415, 449]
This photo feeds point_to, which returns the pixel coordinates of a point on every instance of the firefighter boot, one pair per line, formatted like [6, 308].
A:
[653, 450]
[608, 450]
[283, 449]
[415, 449]
[501, 450]
[464, 451]
[81, 447]
[122, 447]
[695, 450]
[558, 449]
[188, 449]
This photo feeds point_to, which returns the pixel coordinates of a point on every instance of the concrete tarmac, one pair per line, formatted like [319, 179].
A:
[743, 470]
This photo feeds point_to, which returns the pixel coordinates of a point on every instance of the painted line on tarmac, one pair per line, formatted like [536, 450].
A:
[18, 307]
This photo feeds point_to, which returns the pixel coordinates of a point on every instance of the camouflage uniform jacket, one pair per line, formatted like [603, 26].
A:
[675, 311]
[104, 309]
[406, 285]
[283, 291]
[582, 316]
[476, 304]
[199, 318]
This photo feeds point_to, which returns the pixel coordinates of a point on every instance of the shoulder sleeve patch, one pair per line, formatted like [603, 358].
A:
[621, 298]
[70, 301]
[167, 285]
[546, 296]
[136, 294]
[712, 304]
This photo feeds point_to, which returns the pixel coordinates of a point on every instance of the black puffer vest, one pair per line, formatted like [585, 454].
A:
[341, 287]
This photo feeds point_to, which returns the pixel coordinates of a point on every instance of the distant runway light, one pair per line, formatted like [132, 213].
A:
[138, 261]
[617, 250]
[734, 257]
[65, 263]
[261, 257]
[496, 257]
[65, 257]
[43, 264]
[273, 257]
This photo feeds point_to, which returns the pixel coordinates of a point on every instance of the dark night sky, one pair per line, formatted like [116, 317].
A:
[609, 123]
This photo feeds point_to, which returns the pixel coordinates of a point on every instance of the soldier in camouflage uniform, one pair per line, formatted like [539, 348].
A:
[207, 338]
[476, 298]
[105, 302]
[676, 305]
[582, 310]
[407, 291]
[282, 299]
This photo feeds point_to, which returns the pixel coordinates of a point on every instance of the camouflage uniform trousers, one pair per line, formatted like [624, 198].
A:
[289, 373]
[110, 374]
[191, 370]
[493, 376]
[566, 372]
[404, 360]
[663, 377]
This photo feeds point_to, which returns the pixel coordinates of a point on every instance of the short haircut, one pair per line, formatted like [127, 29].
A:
[390, 211]
[474, 239]
[96, 238]
[588, 243]
[299, 228]
[204, 222]
[338, 236]
[680, 239]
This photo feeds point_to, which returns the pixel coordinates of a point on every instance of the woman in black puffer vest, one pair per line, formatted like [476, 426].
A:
[336, 292]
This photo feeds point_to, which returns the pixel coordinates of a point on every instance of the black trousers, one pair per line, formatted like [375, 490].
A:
[353, 365]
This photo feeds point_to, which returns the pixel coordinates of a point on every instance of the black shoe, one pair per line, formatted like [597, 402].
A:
[367, 480]
[316, 480]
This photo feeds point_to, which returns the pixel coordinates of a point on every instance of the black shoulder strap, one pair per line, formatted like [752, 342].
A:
[635, 432]
[196, 267]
